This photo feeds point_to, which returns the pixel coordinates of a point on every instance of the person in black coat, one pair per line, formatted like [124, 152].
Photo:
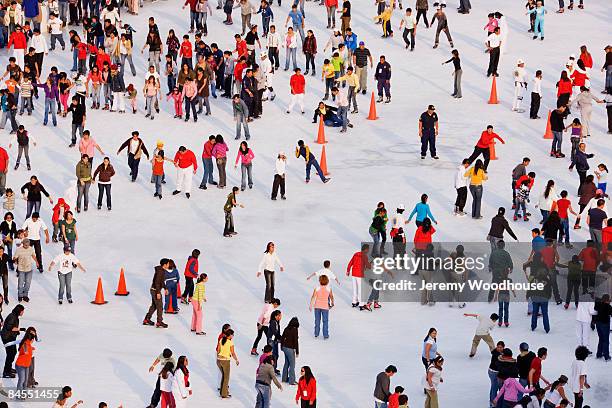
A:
[8, 229]
[382, 76]
[499, 224]
[10, 331]
[291, 349]
[330, 118]
[249, 90]
[34, 197]
[274, 335]
[581, 164]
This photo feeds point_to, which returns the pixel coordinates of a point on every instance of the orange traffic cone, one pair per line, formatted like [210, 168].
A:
[492, 150]
[493, 98]
[169, 308]
[321, 134]
[548, 134]
[323, 163]
[372, 114]
[121, 288]
[178, 290]
[99, 300]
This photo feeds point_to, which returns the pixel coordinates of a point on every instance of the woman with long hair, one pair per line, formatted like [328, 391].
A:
[433, 378]
[307, 389]
[166, 380]
[267, 267]
[556, 393]
[225, 352]
[291, 350]
[181, 388]
[199, 296]
[564, 90]
[477, 176]
[24, 360]
[547, 200]
[219, 152]
[430, 347]
[245, 155]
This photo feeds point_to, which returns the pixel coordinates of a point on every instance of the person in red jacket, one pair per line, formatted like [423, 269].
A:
[58, 214]
[358, 263]
[590, 260]
[186, 165]
[483, 146]
[297, 82]
[186, 52]
[423, 234]
[585, 57]
[4, 165]
[238, 69]
[19, 43]
[102, 58]
[307, 389]
[191, 272]
[241, 47]
[207, 163]
[564, 89]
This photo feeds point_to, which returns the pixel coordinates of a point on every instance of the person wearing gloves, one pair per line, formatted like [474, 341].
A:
[520, 85]
[186, 165]
[266, 267]
[279, 176]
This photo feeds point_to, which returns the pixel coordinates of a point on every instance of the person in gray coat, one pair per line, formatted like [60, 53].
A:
[381, 389]
[263, 381]
[241, 113]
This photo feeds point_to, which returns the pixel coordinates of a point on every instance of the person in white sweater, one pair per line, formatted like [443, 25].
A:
[461, 186]
[273, 43]
[266, 267]
[547, 199]
[584, 314]
[279, 177]
[520, 85]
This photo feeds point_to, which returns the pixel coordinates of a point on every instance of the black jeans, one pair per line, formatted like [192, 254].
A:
[279, 181]
[133, 163]
[260, 330]
[493, 61]
[273, 55]
[409, 41]
[38, 251]
[5, 284]
[422, 12]
[156, 395]
[11, 352]
[573, 286]
[269, 294]
[581, 178]
[461, 198]
[188, 293]
[310, 61]
[191, 103]
[486, 153]
[535, 105]
[104, 188]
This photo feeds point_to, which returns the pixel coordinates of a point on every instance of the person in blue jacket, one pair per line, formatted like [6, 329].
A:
[422, 211]
[172, 278]
[350, 40]
[30, 11]
[539, 12]
[266, 16]
[382, 76]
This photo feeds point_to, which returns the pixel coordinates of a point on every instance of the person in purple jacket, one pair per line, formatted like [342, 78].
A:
[51, 94]
[510, 392]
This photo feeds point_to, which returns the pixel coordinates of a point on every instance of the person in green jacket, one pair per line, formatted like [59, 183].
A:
[84, 179]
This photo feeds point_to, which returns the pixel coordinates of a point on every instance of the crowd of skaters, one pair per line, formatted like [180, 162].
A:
[194, 72]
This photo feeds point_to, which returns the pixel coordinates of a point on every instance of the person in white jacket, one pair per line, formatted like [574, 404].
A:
[39, 43]
[166, 382]
[266, 267]
[273, 43]
[181, 388]
[584, 314]
[520, 85]
[461, 186]
[266, 68]
[547, 199]
[584, 100]
[279, 177]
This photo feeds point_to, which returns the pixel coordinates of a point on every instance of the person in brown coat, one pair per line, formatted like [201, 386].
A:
[159, 283]
[310, 50]
[106, 172]
[136, 148]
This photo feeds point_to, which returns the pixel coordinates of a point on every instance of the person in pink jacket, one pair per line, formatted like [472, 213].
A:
[88, 146]
[190, 96]
[510, 392]
[246, 155]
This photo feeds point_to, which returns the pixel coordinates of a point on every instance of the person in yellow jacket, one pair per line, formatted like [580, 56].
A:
[199, 296]
[328, 74]
[385, 18]
[353, 83]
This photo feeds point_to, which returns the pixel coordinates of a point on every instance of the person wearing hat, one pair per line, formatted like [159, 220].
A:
[65, 263]
[428, 131]
[520, 85]
[186, 165]
[360, 61]
[279, 176]
[267, 71]
[24, 257]
[158, 147]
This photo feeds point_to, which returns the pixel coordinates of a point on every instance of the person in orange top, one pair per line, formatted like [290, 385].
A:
[24, 359]
[158, 172]
[483, 146]
[307, 389]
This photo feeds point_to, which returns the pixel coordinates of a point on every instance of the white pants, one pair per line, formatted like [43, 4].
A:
[585, 119]
[296, 98]
[19, 54]
[183, 179]
[118, 99]
[519, 92]
[583, 333]
[356, 289]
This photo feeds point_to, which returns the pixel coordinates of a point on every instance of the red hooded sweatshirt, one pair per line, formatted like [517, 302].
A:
[60, 207]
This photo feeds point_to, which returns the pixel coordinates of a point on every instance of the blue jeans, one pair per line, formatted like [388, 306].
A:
[32, 206]
[193, 18]
[315, 163]
[376, 247]
[263, 396]
[22, 376]
[158, 184]
[50, 105]
[23, 283]
[333, 121]
[171, 83]
[537, 306]
[247, 170]
[565, 225]
[380, 404]
[75, 54]
[65, 283]
[494, 385]
[207, 165]
[557, 141]
[603, 346]
[291, 53]
[524, 382]
[171, 297]
[503, 311]
[321, 313]
[343, 115]
[545, 214]
[289, 365]
[299, 29]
